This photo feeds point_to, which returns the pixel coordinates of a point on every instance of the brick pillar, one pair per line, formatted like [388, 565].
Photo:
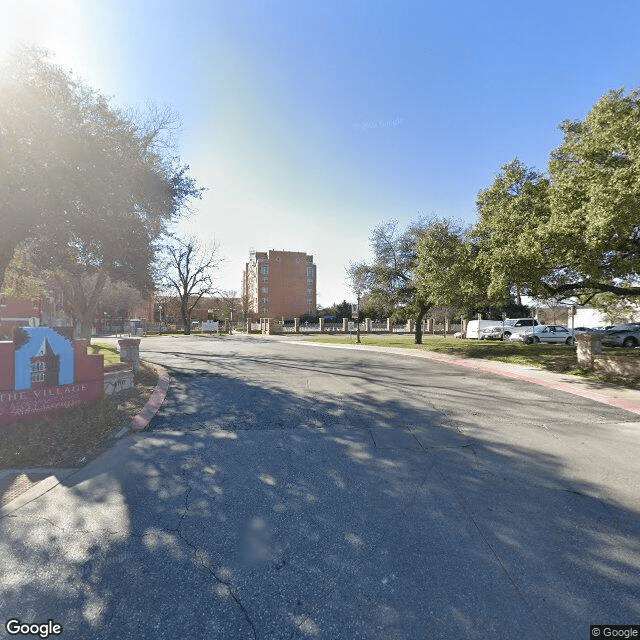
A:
[389, 325]
[430, 325]
[465, 322]
[248, 326]
[345, 325]
[130, 352]
[296, 325]
[588, 346]
[411, 326]
[367, 325]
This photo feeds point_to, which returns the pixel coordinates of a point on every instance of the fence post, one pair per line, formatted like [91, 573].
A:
[345, 325]
[296, 325]
[389, 326]
[367, 325]
[321, 320]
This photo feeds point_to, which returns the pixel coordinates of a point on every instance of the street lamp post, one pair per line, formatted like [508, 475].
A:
[358, 318]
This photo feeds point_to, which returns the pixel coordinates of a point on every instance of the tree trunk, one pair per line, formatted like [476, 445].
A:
[186, 318]
[420, 317]
[81, 303]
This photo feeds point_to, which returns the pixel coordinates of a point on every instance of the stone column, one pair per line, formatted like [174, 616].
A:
[248, 326]
[130, 352]
[367, 325]
[296, 325]
[430, 325]
[321, 320]
[411, 326]
[345, 325]
[389, 325]
[588, 345]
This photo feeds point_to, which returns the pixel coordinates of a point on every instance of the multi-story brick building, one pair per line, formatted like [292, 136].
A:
[280, 284]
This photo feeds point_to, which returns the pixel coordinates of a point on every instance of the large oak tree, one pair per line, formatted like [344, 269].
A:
[93, 188]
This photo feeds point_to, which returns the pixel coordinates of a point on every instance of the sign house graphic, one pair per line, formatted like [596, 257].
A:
[45, 370]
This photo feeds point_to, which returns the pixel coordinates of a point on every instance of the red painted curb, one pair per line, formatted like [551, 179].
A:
[150, 409]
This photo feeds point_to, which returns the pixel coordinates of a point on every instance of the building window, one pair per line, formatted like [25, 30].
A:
[264, 290]
[265, 300]
[309, 300]
[309, 280]
[309, 292]
[265, 269]
[265, 279]
[309, 271]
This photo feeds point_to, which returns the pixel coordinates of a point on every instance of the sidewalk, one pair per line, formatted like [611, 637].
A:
[16, 483]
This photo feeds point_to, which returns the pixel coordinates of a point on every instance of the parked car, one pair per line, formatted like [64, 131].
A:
[580, 330]
[545, 333]
[511, 326]
[622, 335]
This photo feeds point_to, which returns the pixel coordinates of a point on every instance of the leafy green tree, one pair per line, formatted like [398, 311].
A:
[447, 272]
[96, 188]
[509, 238]
[343, 310]
[390, 280]
[594, 229]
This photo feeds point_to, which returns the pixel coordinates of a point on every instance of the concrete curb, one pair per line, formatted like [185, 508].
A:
[154, 403]
[55, 476]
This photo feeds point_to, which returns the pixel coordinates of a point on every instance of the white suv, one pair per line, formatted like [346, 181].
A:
[511, 326]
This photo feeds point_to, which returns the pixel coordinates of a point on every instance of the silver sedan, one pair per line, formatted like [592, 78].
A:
[622, 335]
[546, 333]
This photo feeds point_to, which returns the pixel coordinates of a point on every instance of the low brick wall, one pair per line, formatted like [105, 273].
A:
[617, 365]
[591, 356]
[117, 377]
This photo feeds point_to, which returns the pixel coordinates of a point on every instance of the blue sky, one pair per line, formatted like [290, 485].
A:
[312, 122]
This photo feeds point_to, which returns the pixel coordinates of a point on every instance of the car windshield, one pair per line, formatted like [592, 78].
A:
[632, 326]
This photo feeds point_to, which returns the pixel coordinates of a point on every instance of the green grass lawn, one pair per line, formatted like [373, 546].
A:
[552, 357]
[109, 351]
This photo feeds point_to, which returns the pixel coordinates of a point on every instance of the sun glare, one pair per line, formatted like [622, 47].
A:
[46, 23]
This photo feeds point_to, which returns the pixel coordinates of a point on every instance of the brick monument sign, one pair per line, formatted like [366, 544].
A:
[45, 370]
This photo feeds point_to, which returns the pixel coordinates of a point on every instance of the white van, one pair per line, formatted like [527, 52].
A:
[474, 327]
[510, 326]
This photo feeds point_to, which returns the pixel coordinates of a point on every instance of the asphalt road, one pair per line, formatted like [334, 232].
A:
[288, 491]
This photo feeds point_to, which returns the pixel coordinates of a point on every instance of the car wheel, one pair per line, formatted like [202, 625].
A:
[506, 335]
[569, 341]
[528, 340]
[629, 342]
[536, 339]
